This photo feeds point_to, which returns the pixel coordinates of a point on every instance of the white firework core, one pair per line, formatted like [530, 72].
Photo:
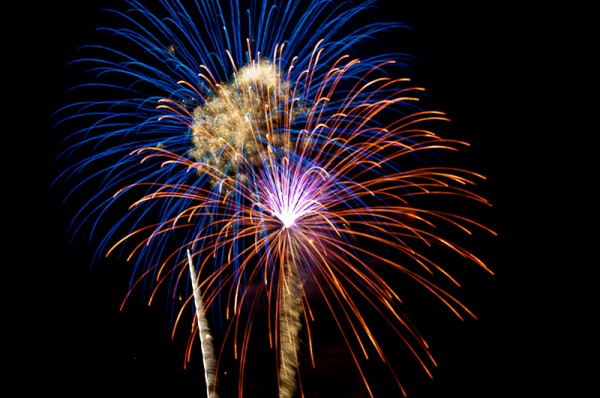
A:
[287, 218]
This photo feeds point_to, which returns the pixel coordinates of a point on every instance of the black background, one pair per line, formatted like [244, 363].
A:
[475, 63]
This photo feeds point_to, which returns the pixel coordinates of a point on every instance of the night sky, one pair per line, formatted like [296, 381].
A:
[466, 61]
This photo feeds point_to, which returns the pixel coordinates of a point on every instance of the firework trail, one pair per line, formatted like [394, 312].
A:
[290, 324]
[254, 139]
[208, 356]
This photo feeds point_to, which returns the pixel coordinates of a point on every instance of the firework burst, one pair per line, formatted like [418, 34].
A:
[277, 162]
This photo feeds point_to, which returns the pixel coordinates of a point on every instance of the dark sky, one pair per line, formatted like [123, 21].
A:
[466, 59]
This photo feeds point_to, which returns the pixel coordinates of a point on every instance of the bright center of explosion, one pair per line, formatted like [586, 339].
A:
[287, 217]
[292, 195]
[287, 207]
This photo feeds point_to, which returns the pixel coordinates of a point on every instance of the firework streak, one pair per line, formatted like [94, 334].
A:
[208, 355]
[291, 170]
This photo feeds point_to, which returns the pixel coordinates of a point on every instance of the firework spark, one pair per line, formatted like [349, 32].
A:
[281, 162]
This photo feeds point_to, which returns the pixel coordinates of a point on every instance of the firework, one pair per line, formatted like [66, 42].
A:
[259, 156]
